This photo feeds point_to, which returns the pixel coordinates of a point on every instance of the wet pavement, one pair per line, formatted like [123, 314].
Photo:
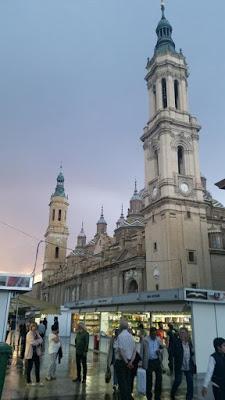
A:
[64, 389]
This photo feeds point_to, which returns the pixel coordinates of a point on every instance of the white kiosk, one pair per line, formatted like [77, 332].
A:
[11, 284]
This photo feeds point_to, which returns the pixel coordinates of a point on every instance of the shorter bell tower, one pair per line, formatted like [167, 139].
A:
[57, 232]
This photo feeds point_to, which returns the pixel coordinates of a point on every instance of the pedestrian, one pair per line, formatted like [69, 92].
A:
[56, 324]
[54, 345]
[125, 355]
[23, 334]
[45, 322]
[183, 363]
[81, 344]
[111, 359]
[171, 333]
[152, 347]
[41, 329]
[160, 331]
[216, 371]
[33, 353]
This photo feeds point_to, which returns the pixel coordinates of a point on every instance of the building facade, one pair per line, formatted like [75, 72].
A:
[174, 233]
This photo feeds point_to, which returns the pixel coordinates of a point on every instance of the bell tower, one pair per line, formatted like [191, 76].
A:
[57, 232]
[176, 229]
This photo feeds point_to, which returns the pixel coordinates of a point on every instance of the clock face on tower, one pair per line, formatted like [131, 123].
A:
[184, 187]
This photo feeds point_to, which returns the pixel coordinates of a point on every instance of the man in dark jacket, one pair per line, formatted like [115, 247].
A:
[216, 371]
[183, 363]
[81, 344]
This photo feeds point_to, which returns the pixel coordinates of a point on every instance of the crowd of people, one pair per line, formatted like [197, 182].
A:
[125, 357]
[123, 353]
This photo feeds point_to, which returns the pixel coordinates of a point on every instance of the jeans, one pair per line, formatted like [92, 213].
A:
[36, 360]
[154, 366]
[81, 359]
[52, 367]
[219, 394]
[124, 379]
[178, 380]
[115, 380]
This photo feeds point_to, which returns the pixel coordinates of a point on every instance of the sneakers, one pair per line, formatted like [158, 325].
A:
[48, 378]
[40, 384]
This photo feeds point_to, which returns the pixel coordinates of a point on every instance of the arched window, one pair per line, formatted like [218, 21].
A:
[57, 252]
[154, 99]
[176, 94]
[156, 158]
[133, 286]
[53, 214]
[180, 160]
[59, 215]
[164, 93]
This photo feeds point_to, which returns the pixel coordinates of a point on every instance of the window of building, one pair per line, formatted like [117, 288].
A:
[176, 93]
[215, 240]
[191, 254]
[133, 286]
[157, 286]
[153, 218]
[59, 215]
[180, 160]
[164, 93]
[57, 252]
[155, 246]
[65, 215]
[194, 285]
[53, 214]
[188, 214]
[154, 97]
[156, 158]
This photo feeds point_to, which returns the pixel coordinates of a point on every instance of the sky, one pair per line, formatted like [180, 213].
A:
[72, 90]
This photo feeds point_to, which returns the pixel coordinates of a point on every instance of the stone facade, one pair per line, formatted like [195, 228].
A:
[174, 234]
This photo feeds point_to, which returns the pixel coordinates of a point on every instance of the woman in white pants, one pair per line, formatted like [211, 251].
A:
[53, 348]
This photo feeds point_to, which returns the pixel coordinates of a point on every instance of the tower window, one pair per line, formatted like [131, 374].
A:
[154, 98]
[157, 286]
[156, 163]
[164, 93]
[65, 215]
[53, 215]
[188, 214]
[180, 160]
[155, 246]
[59, 215]
[176, 93]
[192, 257]
[57, 252]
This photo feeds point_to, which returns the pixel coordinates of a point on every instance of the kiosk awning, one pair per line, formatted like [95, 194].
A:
[26, 301]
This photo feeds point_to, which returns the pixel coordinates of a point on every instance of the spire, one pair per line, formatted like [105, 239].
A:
[101, 224]
[102, 219]
[121, 220]
[81, 238]
[59, 190]
[164, 32]
[136, 195]
[82, 233]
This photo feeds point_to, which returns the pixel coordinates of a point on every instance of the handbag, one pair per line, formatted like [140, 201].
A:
[141, 381]
[107, 375]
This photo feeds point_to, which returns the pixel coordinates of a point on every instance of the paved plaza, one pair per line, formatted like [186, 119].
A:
[63, 388]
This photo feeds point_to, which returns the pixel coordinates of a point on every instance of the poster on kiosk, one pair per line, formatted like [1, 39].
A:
[11, 284]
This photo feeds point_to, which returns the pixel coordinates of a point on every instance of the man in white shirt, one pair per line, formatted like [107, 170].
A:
[53, 348]
[125, 355]
[151, 352]
[216, 371]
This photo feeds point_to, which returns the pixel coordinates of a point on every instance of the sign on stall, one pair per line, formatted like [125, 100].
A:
[18, 283]
[201, 295]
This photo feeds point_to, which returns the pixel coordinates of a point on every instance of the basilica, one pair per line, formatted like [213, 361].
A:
[173, 234]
